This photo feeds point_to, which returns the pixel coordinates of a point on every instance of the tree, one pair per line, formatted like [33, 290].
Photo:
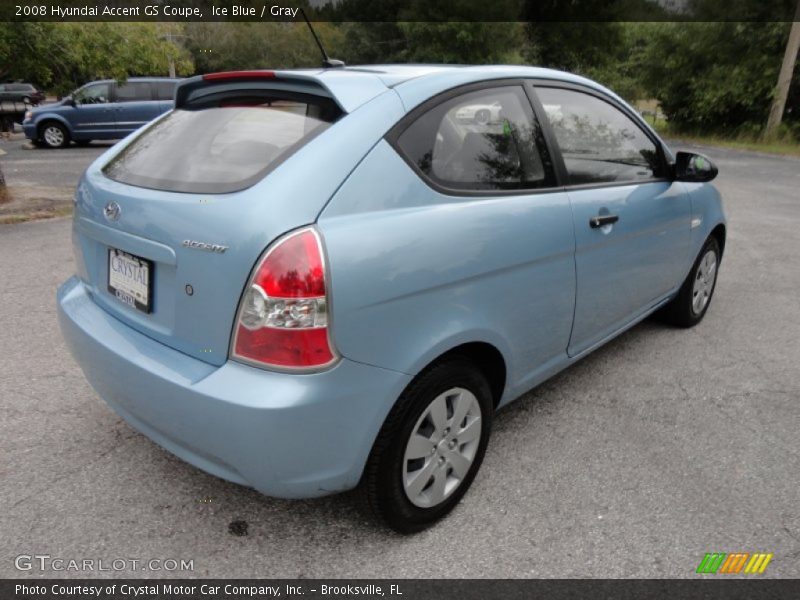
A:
[220, 46]
[713, 76]
[462, 43]
[785, 76]
[62, 56]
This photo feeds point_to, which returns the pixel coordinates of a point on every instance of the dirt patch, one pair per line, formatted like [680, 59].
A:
[25, 203]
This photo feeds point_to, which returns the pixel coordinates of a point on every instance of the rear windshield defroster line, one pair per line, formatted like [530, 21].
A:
[223, 148]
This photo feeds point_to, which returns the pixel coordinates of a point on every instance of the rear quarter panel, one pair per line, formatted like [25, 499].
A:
[415, 273]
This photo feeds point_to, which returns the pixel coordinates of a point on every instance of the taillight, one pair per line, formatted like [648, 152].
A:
[283, 316]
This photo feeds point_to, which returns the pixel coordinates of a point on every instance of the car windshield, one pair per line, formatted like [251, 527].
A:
[220, 149]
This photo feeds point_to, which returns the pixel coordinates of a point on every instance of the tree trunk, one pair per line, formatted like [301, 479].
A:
[785, 77]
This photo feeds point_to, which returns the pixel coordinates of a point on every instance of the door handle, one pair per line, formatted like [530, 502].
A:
[601, 220]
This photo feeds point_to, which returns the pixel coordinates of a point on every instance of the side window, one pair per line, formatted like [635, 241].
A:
[599, 143]
[165, 90]
[136, 91]
[483, 140]
[93, 94]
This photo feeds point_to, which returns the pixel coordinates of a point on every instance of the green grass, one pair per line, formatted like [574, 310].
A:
[783, 147]
[34, 215]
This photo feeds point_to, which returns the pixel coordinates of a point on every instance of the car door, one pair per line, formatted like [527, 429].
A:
[632, 224]
[92, 116]
[135, 105]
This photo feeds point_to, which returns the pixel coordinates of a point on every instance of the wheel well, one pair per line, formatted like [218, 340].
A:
[46, 122]
[488, 359]
[719, 233]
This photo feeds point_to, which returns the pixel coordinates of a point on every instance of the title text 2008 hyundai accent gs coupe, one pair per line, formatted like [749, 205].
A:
[305, 280]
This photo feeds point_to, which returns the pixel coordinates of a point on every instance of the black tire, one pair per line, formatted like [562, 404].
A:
[681, 311]
[382, 481]
[53, 141]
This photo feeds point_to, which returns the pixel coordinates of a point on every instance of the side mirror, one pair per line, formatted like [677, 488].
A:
[69, 101]
[693, 167]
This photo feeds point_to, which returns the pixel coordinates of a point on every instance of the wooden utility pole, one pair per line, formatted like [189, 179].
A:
[785, 76]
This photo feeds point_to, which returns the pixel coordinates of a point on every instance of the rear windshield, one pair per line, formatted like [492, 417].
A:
[222, 148]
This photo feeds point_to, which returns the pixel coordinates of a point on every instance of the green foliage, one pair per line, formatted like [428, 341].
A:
[218, 46]
[62, 56]
[446, 31]
[462, 43]
[714, 76]
[708, 76]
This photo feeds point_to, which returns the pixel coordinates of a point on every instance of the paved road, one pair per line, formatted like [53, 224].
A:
[26, 166]
[662, 446]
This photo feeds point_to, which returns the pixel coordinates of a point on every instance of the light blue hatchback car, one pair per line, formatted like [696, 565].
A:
[305, 280]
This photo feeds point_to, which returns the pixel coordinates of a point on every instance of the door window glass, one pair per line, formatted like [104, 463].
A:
[92, 94]
[134, 92]
[165, 90]
[599, 143]
[483, 140]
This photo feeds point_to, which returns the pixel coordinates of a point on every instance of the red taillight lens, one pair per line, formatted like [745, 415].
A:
[283, 317]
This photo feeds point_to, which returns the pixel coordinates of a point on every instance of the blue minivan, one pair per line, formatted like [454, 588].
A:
[100, 110]
[302, 281]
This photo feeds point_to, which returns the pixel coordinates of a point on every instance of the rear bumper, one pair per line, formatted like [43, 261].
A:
[290, 436]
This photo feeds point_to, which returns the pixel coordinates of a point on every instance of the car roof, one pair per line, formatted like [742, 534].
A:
[145, 79]
[352, 86]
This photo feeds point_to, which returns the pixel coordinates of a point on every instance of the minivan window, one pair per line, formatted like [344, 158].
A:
[134, 91]
[165, 90]
[599, 143]
[221, 149]
[97, 93]
[483, 140]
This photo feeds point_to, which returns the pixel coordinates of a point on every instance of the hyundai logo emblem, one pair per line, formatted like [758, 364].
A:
[111, 211]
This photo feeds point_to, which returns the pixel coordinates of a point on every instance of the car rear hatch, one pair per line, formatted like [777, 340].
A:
[168, 228]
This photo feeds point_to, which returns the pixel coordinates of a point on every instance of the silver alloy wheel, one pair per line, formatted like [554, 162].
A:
[53, 135]
[441, 448]
[704, 281]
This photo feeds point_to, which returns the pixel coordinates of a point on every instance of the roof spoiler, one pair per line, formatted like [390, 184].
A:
[197, 88]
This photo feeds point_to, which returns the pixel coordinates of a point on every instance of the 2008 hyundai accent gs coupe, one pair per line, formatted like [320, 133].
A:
[305, 280]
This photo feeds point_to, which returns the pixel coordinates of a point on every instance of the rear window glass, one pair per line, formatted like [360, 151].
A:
[221, 149]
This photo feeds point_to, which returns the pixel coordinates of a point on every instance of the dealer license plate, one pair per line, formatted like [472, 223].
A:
[129, 279]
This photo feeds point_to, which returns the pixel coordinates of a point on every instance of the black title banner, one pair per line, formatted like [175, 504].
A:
[399, 589]
[398, 10]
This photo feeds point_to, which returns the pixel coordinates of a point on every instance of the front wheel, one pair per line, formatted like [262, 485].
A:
[689, 307]
[54, 135]
[430, 447]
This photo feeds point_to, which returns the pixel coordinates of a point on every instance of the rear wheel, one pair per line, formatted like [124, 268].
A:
[689, 307]
[430, 447]
[54, 135]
